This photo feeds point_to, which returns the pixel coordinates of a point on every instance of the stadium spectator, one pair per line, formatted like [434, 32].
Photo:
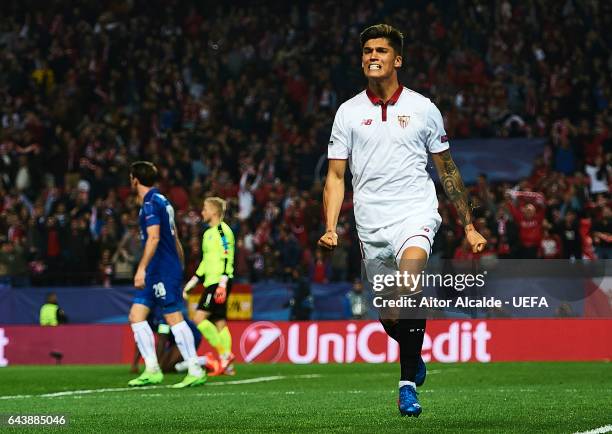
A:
[599, 174]
[123, 266]
[529, 216]
[106, 268]
[602, 235]
[5, 263]
[320, 269]
[242, 267]
[245, 193]
[289, 252]
[550, 246]
[13, 264]
[339, 264]
[301, 302]
[506, 232]
[358, 301]
[568, 231]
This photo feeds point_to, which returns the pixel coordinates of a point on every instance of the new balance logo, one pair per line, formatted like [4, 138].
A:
[366, 122]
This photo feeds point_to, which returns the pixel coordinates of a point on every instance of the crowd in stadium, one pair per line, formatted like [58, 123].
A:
[238, 101]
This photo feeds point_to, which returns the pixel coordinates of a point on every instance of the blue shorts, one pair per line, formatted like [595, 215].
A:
[162, 291]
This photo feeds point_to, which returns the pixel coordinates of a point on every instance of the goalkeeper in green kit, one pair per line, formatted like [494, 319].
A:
[215, 272]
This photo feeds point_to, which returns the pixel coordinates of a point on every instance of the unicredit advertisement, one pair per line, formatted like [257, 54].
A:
[446, 341]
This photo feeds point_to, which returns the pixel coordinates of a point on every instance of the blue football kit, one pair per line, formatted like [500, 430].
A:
[164, 274]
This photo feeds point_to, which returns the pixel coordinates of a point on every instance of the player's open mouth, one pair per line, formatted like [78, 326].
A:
[374, 66]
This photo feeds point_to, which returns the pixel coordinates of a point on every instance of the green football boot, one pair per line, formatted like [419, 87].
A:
[146, 379]
[191, 380]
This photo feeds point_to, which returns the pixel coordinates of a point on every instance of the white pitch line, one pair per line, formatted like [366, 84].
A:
[262, 379]
[249, 380]
[81, 392]
[600, 430]
[132, 389]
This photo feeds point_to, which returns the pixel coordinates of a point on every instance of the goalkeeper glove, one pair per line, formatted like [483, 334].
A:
[220, 292]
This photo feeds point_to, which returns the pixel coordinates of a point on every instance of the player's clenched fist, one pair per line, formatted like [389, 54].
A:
[476, 240]
[329, 240]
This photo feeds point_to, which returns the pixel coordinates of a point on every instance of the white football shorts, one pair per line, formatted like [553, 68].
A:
[387, 244]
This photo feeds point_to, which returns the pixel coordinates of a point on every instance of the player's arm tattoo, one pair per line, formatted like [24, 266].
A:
[453, 185]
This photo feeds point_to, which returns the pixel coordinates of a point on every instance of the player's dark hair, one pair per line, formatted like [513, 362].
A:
[390, 33]
[145, 172]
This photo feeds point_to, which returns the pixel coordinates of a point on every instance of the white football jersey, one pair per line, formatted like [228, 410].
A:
[386, 146]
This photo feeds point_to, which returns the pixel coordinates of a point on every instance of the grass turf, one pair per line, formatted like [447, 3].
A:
[496, 397]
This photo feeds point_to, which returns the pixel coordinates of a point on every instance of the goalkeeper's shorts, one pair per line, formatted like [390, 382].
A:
[207, 302]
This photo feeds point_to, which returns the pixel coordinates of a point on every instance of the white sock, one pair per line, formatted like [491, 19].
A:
[143, 335]
[182, 366]
[186, 345]
[407, 383]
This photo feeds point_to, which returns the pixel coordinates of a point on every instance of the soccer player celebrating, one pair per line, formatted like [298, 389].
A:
[386, 133]
[216, 272]
[159, 275]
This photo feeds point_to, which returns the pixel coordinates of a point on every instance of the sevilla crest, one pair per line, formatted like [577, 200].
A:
[403, 121]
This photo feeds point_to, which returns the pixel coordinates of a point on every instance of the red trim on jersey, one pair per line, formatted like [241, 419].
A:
[383, 105]
[376, 100]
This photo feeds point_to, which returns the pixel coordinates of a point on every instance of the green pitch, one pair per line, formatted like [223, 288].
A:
[498, 397]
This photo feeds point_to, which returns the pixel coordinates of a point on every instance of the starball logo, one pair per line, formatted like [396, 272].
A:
[262, 342]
